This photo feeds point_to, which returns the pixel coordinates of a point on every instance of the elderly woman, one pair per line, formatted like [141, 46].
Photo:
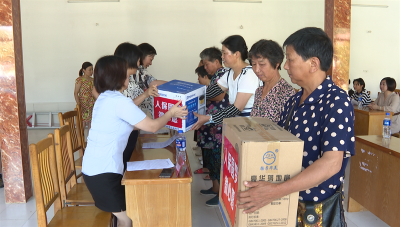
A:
[388, 101]
[210, 136]
[321, 115]
[266, 59]
[114, 117]
[241, 83]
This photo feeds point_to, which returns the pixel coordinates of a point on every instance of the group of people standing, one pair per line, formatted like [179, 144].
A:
[320, 114]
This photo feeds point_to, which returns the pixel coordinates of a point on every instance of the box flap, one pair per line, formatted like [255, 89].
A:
[178, 86]
[258, 129]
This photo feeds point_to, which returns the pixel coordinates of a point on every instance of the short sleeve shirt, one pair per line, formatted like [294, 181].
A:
[246, 82]
[138, 85]
[114, 116]
[271, 105]
[325, 122]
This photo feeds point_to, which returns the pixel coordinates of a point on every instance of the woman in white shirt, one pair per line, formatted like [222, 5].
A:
[114, 117]
[388, 101]
[241, 83]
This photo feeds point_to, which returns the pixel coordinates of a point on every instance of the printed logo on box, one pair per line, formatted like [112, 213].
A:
[230, 179]
[270, 161]
[161, 106]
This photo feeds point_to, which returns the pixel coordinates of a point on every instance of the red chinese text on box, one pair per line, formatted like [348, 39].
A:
[161, 106]
[230, 179]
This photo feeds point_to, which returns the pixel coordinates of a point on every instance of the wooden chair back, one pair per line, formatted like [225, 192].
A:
[397, 91]
[45, 180]
[47, 192]
[72, 118]
[65, 160]
[78, 109]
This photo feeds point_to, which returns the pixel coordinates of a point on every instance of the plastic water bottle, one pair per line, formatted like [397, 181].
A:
[387, 122]
[360, 106]
[180, 150]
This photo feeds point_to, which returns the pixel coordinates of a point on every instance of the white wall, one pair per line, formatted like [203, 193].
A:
[59, 36]
[375, 43]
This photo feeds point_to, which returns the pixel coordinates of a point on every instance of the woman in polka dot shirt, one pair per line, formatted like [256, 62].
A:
[322, 117]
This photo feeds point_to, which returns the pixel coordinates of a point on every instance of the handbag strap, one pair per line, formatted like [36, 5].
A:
[289, 117]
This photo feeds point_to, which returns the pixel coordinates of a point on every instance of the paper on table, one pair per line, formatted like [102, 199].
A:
[155, 145]
[149, 164]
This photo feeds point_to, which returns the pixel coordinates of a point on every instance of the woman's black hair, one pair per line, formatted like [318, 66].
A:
[312, 42]
[390, 83]
[211, 54]
[85, 65]
[201, 71]
[361, 82]
[268, 49]
[110, 73]
[130, 52]
[236, 43]
[146, 49]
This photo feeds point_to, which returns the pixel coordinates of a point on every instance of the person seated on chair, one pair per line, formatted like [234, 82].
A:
[388, 101]
[360, 92]
[114, 118]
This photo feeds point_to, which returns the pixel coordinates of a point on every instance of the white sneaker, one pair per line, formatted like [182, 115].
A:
[200, 158]
[201, 162]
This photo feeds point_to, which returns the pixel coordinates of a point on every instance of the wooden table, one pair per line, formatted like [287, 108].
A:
[375, 178]
[152, 201]
[368, 121]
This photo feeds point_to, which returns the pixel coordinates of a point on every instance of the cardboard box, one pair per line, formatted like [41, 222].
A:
[192, 95]
[257, 149]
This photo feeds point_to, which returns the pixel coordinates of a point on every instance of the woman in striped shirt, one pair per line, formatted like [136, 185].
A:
[360, 92]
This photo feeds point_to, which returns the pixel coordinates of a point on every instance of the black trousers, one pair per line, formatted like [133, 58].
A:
[130, 146]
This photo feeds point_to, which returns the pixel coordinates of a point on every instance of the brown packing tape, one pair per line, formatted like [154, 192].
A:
[261, 131]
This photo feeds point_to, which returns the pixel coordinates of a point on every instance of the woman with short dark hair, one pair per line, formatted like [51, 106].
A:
[114, 118]
[360, 92]
[388, 101]
[266, 59]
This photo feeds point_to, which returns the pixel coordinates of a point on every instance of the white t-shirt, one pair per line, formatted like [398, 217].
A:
[246, 82]
[112, 122]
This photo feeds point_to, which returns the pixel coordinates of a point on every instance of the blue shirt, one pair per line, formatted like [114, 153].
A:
[325, 122]
[113, 120]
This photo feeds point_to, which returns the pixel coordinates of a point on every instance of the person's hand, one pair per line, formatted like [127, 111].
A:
[152, 91]
[201, 120]
[373, 106]
[260, 194]
[179, 111]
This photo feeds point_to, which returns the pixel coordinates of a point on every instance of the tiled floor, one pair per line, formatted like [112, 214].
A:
[24, 215]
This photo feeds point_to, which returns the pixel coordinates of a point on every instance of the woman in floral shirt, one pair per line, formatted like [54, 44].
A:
[266, 59]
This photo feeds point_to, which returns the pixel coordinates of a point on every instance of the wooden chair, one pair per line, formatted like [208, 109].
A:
[77, 146]
[78, 109]
[72, 193]
[47, 192]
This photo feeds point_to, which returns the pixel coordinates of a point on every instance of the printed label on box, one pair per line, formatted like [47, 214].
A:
[192, 106]
[230, 178]
[161, 106]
